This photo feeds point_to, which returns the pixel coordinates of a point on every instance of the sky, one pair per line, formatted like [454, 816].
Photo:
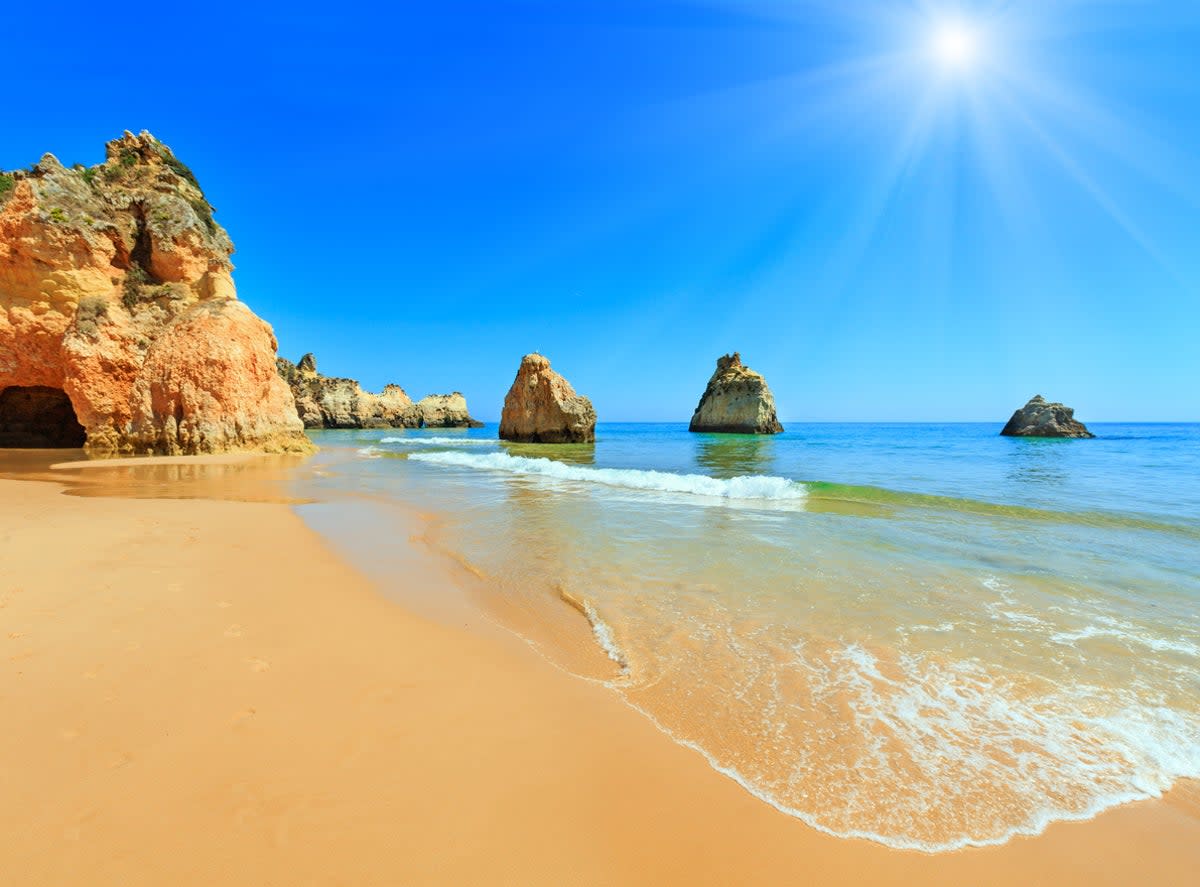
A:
[896, 211]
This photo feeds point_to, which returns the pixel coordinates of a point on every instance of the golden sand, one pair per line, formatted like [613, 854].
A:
[200, 692]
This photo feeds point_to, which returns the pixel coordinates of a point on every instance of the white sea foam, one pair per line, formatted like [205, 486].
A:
[1129, 635]
[940, 628]
[924, 736]
[416, 441]
[750, 488]
[370, 452]
[604, 637]
[1163, 749]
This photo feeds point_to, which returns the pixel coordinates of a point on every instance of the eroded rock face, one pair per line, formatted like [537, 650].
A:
[116, 288]
[542, 407]
[445, 411]
[329, 402]
[1041, 419]
[736, 401]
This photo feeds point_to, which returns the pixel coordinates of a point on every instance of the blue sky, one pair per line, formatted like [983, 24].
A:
[421, 192]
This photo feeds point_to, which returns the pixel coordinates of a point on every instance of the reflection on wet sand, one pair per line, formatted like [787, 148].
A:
[241, 477]
[529, 585]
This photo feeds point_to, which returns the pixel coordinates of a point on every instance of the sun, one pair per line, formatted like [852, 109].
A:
[956, 45]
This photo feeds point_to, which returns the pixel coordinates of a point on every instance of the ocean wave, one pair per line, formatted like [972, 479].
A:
[600, 629]
[941, 756]
[440, 441]
[749, 488]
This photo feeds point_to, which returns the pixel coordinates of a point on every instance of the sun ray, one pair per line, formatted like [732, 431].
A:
[1119, 136]
[1089, 185]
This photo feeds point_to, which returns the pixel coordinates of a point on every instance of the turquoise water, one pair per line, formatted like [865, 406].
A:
[925, 635]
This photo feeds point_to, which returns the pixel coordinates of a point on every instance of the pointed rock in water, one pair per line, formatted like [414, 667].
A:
[1041, 419]
[736, 401]
[542, 407]
[116, 296]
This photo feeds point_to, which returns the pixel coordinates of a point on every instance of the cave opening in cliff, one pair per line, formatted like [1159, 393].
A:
[37, 417]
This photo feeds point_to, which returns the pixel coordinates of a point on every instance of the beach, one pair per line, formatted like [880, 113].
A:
[202, 691]
[693, 442]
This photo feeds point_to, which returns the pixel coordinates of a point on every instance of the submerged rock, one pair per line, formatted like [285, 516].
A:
[736, 401]
[116, 292]
[542, 407]
[331, 402]
[1041, 419]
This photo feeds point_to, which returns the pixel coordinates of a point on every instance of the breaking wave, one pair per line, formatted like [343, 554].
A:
[944, 757]
[600, 629]
[750, 488]
[440, 441]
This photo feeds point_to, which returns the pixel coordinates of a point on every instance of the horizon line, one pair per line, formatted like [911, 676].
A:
[861, 422]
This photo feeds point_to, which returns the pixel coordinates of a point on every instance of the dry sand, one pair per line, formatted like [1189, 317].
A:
[200, 692]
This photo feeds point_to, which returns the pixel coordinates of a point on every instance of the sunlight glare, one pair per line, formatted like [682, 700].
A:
[955, 44]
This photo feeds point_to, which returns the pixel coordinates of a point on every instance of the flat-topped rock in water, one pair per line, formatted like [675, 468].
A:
[736, 401]
[118, 314]
[331, 402]
[445, 411]
[542, 407]
[1038, 418]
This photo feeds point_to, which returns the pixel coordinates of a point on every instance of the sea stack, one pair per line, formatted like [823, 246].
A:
[119, 325]
[1041, 419]
[542, 407]
[736, 401]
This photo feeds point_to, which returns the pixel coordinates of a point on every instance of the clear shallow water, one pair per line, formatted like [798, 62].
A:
[926, 635]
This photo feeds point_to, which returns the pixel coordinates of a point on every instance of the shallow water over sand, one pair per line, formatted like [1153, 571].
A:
[1005, 635]
[923, 635]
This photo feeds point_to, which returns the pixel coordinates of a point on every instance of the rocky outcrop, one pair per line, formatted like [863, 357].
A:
[445, 411]
[736, 401]
[542, 407]
[330, 402]
[1041, 419]
[116, 292]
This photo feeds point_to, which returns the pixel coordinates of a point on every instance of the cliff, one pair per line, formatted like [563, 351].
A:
[117, 307]
[331, 402]
[736, 401]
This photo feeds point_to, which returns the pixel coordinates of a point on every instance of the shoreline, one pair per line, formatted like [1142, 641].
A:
[209, 692]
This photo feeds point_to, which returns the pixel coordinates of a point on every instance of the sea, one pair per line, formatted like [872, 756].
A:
[925, 635]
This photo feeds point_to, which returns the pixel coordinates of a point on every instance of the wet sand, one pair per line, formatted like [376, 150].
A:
[201, 692]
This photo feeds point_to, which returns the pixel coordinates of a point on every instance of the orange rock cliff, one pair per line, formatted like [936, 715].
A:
[117, 304]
